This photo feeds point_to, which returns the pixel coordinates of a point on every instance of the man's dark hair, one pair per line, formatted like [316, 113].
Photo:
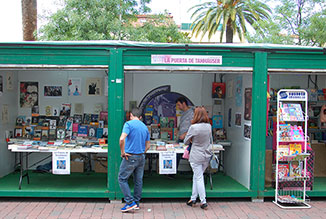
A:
[136, 112]
[182, 100]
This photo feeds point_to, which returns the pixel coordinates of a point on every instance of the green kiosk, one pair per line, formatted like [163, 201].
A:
[127, 73]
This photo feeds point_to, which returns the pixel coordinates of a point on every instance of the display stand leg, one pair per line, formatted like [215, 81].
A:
[21, 170]
[297, 206]
[221, 163]
[211, 179]
[22, 175]
[26, 168]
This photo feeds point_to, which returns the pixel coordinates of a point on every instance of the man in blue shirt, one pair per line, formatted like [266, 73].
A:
[134, 142]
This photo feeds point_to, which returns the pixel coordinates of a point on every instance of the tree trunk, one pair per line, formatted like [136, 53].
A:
[229, 32]
[29, 14]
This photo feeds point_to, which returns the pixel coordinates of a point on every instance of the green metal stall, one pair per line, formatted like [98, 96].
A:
[116, 57]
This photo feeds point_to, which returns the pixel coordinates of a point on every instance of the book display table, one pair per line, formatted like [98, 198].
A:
[156, 148]
[25, 150]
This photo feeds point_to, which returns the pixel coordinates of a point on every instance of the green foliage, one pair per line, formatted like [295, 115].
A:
[234, 15]
[108, 20]
[158, 28]
[294, 22]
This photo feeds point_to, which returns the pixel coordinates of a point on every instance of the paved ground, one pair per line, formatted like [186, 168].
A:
[73, 208]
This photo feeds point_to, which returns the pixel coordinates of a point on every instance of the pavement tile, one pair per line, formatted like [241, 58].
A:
[156, 209]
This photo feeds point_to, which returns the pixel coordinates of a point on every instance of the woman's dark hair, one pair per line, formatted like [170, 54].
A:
[200, 116]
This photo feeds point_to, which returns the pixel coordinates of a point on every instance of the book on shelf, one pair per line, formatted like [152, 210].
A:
[83, 131]
[295, 149]
[283, 150]
[78, 119]
[288, 132]
[291, 112]
[295, 168]
[283, 170]
[164, 122]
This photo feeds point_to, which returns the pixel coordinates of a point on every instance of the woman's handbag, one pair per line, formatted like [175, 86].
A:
[186, 153]
[214, 162]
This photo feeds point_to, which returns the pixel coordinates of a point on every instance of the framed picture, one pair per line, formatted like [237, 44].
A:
[37, 134]
[60, 133]
[18, 132]
[218, 90]
[55, 111]
[65, 109]
[28, 132]
[28, 94]
[94, 86]
[46, 123]
[92, 132]
[74, 87]
[52, 134]
[52, 91]
[45, 134]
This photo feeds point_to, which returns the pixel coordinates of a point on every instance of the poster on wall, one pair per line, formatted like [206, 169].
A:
[106, 86]
[237, 120]
[229, 117]
[9, 81]
[48, 110]
[55, 111]
[229, 89]
[61, 163]
[247, 107]
[98, 108]
[167, 161]
[238, 91]
[28, 94]
[1, 85]
[79, 108]
[94, 86]
[247, 131]
[52, 91]
[5, 114]
[74, 87]
[218, 90]
[65, 109]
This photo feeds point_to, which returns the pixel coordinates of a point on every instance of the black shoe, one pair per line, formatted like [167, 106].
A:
[191, 203]
[204, 206]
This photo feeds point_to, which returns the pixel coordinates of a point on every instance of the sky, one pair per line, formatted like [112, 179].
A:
[11, 18]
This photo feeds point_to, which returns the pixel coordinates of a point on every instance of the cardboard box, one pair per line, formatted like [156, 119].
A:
[76, 164]
[320, 156]
[101, 165]
[268, 168]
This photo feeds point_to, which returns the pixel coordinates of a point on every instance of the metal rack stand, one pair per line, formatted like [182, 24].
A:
[289, 197]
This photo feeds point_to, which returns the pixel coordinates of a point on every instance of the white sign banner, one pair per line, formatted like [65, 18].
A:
[168, 162]
[297, 95]
[186, 59]
[61, 163]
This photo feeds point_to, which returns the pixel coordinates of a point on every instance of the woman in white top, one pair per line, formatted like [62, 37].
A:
[200, 134]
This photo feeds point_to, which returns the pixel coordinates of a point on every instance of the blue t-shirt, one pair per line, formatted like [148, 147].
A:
[137, 135]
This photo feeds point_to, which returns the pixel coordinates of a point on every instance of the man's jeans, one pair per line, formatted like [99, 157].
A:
[134, 165]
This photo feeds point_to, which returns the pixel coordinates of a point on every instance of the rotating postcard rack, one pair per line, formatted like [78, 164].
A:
[291, 153]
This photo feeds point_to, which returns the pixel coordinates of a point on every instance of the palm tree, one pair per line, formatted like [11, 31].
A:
[29, 15]
[232, 15]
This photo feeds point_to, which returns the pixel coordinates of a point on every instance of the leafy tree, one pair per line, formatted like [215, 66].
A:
[315, 32]
[296, 22]
[234, 15]
[158, 28]
[92, 20]
[108, 20]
